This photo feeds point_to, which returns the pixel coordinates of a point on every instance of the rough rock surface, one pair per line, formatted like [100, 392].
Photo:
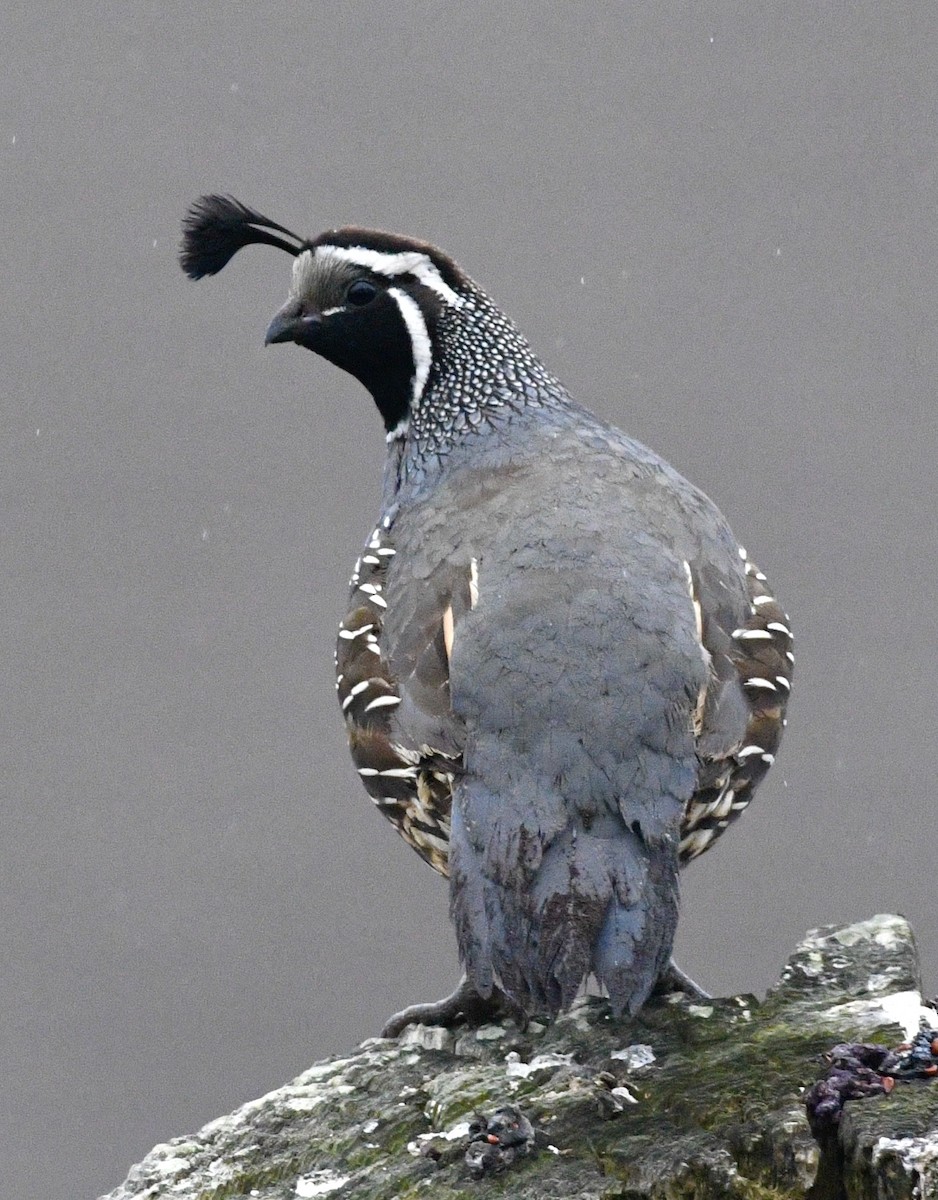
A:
[685, 1100]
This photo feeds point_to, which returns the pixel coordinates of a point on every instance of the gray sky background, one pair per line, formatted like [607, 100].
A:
[716, 221]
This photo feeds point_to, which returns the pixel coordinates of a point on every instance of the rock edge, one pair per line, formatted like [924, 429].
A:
[696, 1100]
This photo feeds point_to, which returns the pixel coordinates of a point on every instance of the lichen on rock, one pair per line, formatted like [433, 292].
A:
[698, 1100]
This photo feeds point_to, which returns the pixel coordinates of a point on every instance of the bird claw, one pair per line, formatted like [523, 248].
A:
[673, 979]
[464, 1005]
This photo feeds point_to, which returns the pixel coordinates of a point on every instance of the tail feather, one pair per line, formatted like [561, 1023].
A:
[634, 944]
[540, 904]
[475, 922]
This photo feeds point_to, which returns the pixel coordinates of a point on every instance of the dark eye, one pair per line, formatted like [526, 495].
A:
[361, 292]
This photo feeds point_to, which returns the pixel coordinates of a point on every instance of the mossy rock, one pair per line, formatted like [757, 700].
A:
[684, 1100]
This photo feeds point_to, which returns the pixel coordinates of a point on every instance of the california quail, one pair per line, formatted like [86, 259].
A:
[561, 675]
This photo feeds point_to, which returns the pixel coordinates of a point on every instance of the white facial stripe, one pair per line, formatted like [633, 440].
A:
[304, 270]
[419, 340]
[406, 262]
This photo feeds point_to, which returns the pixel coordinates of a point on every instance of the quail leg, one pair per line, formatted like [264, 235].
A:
[673, 979]
[465, 1004]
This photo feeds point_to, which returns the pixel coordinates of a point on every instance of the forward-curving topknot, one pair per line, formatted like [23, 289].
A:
[216, 227]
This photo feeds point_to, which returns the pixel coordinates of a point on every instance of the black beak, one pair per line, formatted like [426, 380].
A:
[281, 329]
[291, 324]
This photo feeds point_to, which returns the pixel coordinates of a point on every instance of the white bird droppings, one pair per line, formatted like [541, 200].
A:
[320, 1183]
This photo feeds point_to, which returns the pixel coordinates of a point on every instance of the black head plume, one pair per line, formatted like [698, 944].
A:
[216, 227]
